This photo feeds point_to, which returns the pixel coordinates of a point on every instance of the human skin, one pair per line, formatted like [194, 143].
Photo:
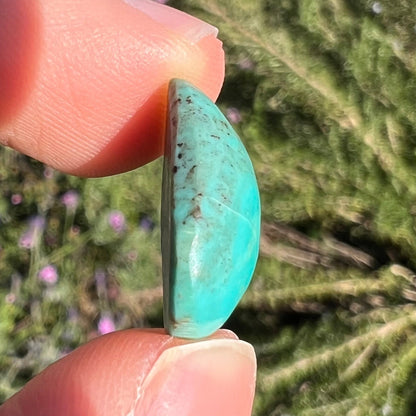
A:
[83, 89]
[84, 83]
[144, 373]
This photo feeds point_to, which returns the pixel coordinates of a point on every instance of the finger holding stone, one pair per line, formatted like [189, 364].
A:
[84, 82]
[144, 372]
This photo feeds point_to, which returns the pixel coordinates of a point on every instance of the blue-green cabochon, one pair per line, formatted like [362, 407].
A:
[210, 215]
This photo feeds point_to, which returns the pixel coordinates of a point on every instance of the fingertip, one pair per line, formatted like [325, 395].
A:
[107, 376]
[211, 377]
[141, 139]
[19, 49]
[97, 103]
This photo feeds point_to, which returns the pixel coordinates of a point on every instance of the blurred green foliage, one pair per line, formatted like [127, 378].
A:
[105, 270]
[322, 94]
[326, 91]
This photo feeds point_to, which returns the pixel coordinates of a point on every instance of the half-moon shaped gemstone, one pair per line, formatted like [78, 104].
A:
[210, 215]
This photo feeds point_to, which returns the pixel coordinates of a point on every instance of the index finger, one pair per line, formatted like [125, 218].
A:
[85, 81]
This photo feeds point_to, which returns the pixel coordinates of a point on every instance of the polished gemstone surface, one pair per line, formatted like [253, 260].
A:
[210, 215]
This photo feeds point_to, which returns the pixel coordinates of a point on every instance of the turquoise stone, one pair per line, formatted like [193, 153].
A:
[210, 215]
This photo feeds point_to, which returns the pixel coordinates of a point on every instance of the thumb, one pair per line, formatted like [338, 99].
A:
[84, 82]
[144, 373]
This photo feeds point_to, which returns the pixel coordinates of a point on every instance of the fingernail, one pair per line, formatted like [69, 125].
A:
[190, 27]
[215, 377]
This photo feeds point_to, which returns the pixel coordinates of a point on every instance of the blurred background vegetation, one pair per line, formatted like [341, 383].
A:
[322, 94]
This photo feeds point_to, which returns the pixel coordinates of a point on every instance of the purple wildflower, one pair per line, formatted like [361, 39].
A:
[377, 7]
[100, 282]
[132, 255]
[106, 325]
[117, 221]
[70, 199]
[48, 172]
[16, 199]
[245, 64]
[27, 239]
[147, 224]
[31, 235]
[75, 230]
[72, 315]
[48, 274]
[37, 223]
[10, 298]
[233, 114]
[113, 292]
